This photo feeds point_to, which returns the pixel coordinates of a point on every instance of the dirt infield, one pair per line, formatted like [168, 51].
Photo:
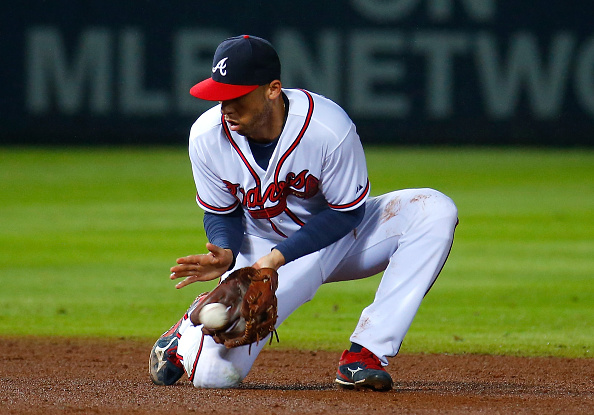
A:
[83, 376]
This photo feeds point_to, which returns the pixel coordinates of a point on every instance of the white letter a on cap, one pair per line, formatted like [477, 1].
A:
[221, 67]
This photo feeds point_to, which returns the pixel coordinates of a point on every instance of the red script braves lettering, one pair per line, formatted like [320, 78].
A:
[302, 185]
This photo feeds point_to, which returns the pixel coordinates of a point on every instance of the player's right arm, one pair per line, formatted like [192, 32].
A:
[223, 217]
[225, 235]
[202, 267]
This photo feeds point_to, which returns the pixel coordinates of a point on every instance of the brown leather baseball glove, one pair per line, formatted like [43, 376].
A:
[249, 295]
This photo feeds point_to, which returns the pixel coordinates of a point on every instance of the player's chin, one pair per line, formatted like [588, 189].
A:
[240, 131]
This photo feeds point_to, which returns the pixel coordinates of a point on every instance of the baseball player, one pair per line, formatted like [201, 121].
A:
[282, 178]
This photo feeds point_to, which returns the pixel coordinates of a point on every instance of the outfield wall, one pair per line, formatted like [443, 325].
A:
[407, 71]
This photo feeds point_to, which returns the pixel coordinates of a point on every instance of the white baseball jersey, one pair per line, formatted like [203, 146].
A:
[318, 162]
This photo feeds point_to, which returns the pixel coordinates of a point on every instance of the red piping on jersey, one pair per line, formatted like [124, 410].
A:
[284, 157]
[277, 230]
[216, 209]
[191, 377]
[236, 147]
[354, 202]
[299, 137]
[294, 217]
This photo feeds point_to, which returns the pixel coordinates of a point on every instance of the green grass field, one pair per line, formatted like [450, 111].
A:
[88, 235]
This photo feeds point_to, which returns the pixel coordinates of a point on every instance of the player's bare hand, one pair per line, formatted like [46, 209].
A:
[275, 259]
[202, 267]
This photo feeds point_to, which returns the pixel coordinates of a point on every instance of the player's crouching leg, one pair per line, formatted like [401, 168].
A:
[203, 361]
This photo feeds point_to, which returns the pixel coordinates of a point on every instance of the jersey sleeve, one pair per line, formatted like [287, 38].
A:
[345, 182]
[211, 192]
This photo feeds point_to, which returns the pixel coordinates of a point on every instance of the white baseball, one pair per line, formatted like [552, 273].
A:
[213, 316]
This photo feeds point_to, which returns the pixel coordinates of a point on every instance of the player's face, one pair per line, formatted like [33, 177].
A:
[250, 115]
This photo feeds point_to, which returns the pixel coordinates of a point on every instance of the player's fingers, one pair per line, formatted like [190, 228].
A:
[198, 260]
[214, 248]
[186, 281]
[219, 256]
[190, 259]
[190, 278]
[183, 271]
[175, 275]
[186, 270]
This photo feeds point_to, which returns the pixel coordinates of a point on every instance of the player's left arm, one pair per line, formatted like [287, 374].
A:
[322, 230]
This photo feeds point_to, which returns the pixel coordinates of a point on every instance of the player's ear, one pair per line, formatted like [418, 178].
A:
[274, 89]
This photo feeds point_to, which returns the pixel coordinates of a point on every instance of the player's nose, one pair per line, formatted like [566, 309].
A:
[226, 107]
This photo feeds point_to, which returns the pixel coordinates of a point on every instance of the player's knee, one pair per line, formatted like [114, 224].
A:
[448, 207]
[438, 206]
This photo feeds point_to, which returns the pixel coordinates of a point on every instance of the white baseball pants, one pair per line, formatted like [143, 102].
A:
[407, 234]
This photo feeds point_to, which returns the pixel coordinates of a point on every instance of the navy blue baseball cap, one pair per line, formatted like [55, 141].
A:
[240, 65]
